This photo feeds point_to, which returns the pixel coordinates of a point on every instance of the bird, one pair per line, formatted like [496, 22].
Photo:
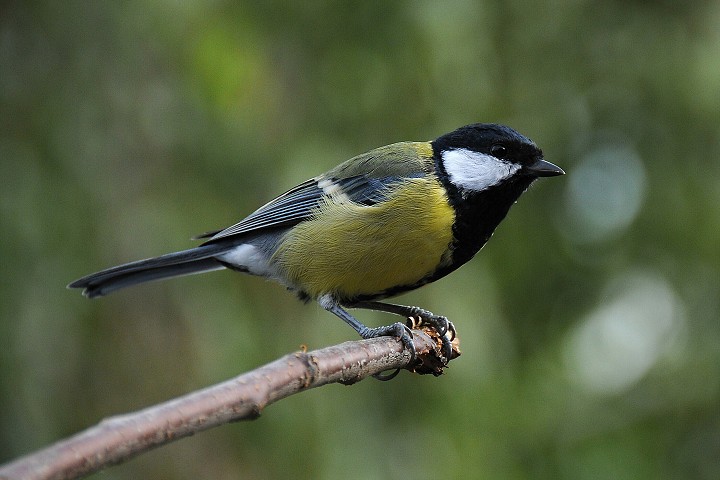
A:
[379, 224]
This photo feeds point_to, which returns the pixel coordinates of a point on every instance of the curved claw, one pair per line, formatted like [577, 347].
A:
[442, 326]
[451, 329]
[447, 347]
[385, 378]
[440, 323]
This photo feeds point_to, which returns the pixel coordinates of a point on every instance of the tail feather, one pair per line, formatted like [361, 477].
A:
[195, 260]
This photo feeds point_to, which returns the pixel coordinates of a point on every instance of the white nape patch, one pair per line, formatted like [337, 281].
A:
[332, 189]
[250, 258]
[476, 171]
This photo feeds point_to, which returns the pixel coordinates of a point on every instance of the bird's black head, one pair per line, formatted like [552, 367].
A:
[481, 156]
[484, 168]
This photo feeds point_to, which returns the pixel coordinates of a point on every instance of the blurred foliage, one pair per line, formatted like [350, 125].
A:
[589, 323]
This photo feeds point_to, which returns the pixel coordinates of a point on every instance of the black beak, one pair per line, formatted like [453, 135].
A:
[542, 168]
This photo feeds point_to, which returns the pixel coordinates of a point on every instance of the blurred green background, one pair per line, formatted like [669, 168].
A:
[589, 324]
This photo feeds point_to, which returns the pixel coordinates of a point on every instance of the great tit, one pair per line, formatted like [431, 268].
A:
[380, 224]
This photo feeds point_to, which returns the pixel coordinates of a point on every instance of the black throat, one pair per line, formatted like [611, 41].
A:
[477, 214]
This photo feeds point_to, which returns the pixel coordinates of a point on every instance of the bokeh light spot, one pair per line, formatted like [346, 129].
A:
[615, 345]
[604, 193]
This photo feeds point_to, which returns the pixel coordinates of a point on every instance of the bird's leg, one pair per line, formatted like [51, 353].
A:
[441, 324]
[398, 329]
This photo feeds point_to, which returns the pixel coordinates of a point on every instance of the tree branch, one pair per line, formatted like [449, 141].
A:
[119, 438]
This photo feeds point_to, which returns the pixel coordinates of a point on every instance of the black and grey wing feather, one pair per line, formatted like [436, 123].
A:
[301, 203]
[288, 209]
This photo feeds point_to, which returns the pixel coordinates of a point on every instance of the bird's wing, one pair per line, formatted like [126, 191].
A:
[363, 180]
[288, 209]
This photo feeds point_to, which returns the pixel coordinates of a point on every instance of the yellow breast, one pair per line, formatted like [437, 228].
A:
[349, 249]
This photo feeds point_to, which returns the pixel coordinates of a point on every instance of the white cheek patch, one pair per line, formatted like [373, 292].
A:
[476, 171]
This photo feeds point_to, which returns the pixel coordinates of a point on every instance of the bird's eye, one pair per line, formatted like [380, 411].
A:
[499, 151]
